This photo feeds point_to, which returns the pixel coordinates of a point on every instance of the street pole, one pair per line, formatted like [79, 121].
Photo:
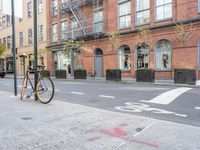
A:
[14, 47]
[35, 44]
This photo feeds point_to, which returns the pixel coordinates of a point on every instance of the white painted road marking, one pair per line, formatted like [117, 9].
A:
[105, 96]
[140, 107]
[167, 97]
[197, 108]
[78, 93]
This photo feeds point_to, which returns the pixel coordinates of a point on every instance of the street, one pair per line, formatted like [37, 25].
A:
[184, 106]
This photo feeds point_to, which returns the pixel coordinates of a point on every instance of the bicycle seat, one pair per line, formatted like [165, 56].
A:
[41, 66]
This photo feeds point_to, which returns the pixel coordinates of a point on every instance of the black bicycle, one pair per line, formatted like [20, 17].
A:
[44, 87]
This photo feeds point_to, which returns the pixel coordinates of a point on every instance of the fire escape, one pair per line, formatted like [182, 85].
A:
[84, 27]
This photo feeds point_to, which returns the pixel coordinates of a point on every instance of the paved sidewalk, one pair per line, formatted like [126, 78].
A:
[27, 125]
[165, 82]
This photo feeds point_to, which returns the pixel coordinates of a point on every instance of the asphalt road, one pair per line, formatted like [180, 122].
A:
[175, 104]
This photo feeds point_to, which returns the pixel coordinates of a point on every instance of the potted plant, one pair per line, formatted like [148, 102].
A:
[184, 75]
[112, 73]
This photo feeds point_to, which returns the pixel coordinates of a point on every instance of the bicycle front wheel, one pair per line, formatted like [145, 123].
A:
[45, 90]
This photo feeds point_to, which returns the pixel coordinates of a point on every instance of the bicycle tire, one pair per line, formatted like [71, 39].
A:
[24, 87]
[41, 89]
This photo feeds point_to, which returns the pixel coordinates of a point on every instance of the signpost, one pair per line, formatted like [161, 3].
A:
[14, 47]
[35, 43]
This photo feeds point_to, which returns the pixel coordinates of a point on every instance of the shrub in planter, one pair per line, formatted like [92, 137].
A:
[185, 76]
[145, 75]
[45, 73]
[80, 74]
[61, 74]
[113, 74]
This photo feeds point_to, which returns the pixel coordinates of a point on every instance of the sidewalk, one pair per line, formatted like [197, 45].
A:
[165, 82]
[29, 125]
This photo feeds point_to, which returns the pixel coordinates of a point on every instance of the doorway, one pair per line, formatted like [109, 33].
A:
[98, 62]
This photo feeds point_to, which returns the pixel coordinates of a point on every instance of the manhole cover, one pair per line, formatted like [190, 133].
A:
[26, 118]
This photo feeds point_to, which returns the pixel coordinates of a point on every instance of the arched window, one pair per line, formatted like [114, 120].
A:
[143, 56]
[124, 58]
[163, 55]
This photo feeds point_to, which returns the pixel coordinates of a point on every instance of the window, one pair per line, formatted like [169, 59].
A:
[4, 24]
[142, 11]
[8, 42]
[199, 6]
[21, 39]
[29, 8]
[63, 30]
[30, 36]
[143, 56]
[8, 20]
[73, 27]
[98, 21]
[4, 41]
[54, 32]
[40, 33]
[163, 54]
[124, 14]
[64, 5]
[124, 58]
[40, 6]
[163, 9]
[54, 8]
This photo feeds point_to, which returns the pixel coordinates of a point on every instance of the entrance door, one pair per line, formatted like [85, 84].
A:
[98, 62]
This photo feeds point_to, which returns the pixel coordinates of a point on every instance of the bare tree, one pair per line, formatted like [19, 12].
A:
[184, 33]
[144, 37]
[114, 41]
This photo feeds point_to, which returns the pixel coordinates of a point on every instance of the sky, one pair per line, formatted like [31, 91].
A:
[6, 6]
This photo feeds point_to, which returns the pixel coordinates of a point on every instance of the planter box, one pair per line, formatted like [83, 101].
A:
[185, 76]
[80, 74]
[45, 73]
[145, 75]
[113, 75]
[61, 74]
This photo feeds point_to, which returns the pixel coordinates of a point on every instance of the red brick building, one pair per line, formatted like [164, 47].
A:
[93, 20]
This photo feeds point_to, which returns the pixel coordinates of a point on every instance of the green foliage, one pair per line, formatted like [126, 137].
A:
[2, 49]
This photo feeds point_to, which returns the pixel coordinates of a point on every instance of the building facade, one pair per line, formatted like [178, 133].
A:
[94, 20]
[24, 37]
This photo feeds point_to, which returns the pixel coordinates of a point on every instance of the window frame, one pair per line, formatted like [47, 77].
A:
[155, 59]
[147, 48]
[54, 9]
[100, 22]
[40, 6]
[54, 35]
[121, 53]
[121, 2]
[156, 7]
[21, 39]
[29, 10]
[30, 36]
[63, 36]
[136, 12]
[40, 33]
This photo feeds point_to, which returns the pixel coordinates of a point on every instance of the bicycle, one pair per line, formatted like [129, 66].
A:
[44, 87]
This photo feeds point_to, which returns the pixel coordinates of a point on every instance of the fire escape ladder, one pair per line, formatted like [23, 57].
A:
[80, 18]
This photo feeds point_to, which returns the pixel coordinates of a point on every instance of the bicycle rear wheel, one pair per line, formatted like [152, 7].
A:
[24, 87]
[45, 90]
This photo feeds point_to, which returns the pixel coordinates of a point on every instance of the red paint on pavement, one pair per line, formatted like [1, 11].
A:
[116, 132]
[93, 138]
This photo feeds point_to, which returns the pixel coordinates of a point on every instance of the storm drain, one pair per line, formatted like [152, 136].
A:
[139, 129]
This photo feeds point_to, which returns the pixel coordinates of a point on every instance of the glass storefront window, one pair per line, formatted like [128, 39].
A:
[163, 54]
[142, 57]
[124, 58]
